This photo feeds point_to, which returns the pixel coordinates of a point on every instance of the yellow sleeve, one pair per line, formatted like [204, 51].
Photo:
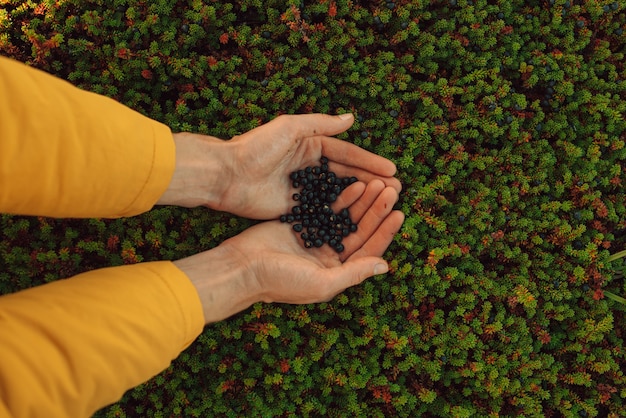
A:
[70, 347]
[65, 152]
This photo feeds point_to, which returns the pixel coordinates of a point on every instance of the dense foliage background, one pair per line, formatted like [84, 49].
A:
[505, 118]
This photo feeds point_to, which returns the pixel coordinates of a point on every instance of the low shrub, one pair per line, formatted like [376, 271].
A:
[505, 119]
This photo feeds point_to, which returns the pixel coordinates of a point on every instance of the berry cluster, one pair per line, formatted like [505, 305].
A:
[313, 217]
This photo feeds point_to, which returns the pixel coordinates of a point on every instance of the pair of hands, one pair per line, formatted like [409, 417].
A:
[249, 176]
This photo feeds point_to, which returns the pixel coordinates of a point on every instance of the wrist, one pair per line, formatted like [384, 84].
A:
[223, 280]
[201, 175]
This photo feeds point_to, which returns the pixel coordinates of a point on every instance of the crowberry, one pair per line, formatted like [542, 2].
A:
[319, 189]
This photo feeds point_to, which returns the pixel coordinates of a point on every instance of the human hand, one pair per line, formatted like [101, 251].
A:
[269, 263]
[249, 175]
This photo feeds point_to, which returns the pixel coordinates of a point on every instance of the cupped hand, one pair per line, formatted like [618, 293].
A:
[268, 261]
[287, 272]
[262, 159]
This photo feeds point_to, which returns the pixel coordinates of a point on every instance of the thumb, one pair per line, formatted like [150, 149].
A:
[354, 272]
[317, 124]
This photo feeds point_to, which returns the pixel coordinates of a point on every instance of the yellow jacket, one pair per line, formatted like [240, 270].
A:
[73, 346]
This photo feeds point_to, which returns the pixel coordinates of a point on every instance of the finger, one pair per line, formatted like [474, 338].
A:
[352, 273]
[348, 154]
[365, 176]
[380, 240]
[310, 125]
[363, 204]
[371, 220]
[349, 196]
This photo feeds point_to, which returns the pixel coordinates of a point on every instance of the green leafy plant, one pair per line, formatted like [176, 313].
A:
[505, 119]
[618, 275]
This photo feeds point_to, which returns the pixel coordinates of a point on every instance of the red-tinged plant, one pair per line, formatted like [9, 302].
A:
[507, 133]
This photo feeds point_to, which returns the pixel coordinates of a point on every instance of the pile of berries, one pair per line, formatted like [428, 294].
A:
[313, 218]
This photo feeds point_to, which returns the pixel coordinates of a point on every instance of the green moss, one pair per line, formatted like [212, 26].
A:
[505, 119]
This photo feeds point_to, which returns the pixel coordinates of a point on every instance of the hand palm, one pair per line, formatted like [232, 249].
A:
[266, 191]
[260, 186]
[287, 272]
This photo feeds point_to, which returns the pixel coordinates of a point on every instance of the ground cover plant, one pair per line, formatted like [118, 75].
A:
[505, 119]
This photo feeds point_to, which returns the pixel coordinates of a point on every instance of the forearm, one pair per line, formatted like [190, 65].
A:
[73, 346]
[223, 280]
[201, 176]
[65, 152]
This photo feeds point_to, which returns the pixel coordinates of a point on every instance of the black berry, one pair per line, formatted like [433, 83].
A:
[315, 219]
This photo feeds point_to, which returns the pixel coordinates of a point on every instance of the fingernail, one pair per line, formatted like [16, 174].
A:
[345, 116]
[380, 268]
